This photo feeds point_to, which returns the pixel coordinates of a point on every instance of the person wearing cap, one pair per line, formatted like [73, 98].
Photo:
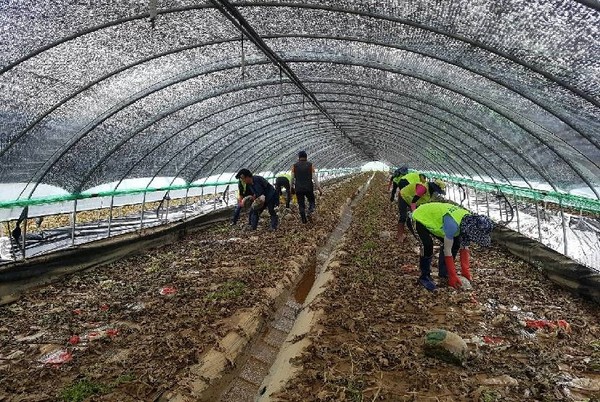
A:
[304, 181]
[283, 181]
[456, 227]
[264, 196]
[244, 199]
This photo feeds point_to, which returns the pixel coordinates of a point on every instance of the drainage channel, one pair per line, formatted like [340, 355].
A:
[265, 366]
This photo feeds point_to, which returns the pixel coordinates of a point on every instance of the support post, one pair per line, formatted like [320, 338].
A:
[539, 224]
[187, 190]
[215, 199]
[564, 227]
[74, 222]
[487, 203]
[167, 213]
[517, 212]
[468, 198]
[142, 214]
[476, 200]
[110, 213]
[24, 234]
[500, 208]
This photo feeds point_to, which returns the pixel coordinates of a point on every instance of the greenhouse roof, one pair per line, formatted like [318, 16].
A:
[95, 92]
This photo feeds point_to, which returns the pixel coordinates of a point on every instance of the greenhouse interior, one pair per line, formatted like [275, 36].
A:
[334, 200]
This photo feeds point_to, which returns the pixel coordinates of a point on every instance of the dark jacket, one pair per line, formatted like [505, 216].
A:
[261, 186]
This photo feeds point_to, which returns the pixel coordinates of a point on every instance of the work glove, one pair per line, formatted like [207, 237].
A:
[465, 255]
[451, 268]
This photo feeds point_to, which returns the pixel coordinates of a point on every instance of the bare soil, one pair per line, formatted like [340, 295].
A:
[127, 329]
[369, 345]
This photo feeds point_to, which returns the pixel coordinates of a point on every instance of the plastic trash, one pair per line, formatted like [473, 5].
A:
[167, 290]
[57, 357]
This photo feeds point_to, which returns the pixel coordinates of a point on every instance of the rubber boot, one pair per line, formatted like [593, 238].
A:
[442, 271]
[465, 254]
[401, 232]
[303, 217]
[452, 277]
[425, 278]
[274, 222]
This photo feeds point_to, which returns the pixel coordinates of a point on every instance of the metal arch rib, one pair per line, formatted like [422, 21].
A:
[456, 138]
[435, 139]
[456, 90]
[449, 123]
[567, 121]
[241, 146]
[71, 96]
[424, 27]
[460, 117]
[179, 131]
[378, 67]
[211, 144]
[450, 112]
[240, 22]
[550, 77]
[463, 94]
[264, 137]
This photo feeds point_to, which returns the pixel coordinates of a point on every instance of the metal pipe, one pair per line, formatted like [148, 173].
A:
[539, 224]
[468, 197]
[168, 199]
[517, 212]
[25, 230]
[185, 202]
[142, 214]
[110, 213]
[487, 203]
[500, 208]
[564, 227]
[476, 200]
[74, 222]
[215, 199]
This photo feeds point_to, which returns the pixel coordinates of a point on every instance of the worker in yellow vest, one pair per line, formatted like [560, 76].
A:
[409, 180]
[456, 227]
[395, 181]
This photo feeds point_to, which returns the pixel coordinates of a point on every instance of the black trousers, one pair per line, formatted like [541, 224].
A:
[427, 241]
[302, 196]
[283, 182]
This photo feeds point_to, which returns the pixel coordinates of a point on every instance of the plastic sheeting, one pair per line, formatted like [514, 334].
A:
[103, 91]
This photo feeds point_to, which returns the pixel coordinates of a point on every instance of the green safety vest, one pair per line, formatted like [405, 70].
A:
[409, 192]
[431, 215]
[410, 177]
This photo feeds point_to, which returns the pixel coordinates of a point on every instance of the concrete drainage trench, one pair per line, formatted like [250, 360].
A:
[266, 367]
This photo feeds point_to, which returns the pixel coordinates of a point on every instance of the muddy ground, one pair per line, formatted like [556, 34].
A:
[127, 331]
[369, 345]
[123, 332]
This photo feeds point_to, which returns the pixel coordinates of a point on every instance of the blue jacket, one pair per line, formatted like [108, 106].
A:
[261, 186]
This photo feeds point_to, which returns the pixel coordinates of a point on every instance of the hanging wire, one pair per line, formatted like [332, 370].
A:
[508, 208]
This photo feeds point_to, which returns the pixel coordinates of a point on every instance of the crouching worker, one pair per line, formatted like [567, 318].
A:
[264, 196]
[244, 199]
[456, 228]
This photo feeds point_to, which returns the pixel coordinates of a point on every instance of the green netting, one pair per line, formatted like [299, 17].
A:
[563, 199]
[132, 191]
